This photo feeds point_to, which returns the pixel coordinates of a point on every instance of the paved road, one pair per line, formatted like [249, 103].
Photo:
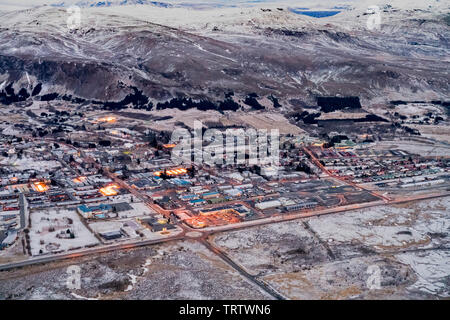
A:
[210, 231]
[66, 256]
[244, 273]
[23, 210]
[332, 175]
[299, 215]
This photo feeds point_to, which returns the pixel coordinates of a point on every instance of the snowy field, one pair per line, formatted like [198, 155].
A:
[47, 224]
[386, 229]
[139, 210]
[433, 271]
[274, 247]
[183, 270]
[328, 257]
[439, 132]
[414, 147]
[382, 228]
[31, 164]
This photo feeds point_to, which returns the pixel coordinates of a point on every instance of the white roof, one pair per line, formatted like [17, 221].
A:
[10, 238]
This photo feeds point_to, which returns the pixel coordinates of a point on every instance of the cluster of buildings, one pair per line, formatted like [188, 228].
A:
[395, 167]
[41, 176]
[287, 204]
[116, 181]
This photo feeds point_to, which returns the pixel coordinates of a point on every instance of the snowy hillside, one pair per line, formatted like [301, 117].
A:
[109, 3]
[203, 54]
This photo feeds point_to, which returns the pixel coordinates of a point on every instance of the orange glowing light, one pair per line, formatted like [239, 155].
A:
[169, 146]
[106, 119]
[196, 222]
[79, 179]
[40, 186]
[173, 172]
[110, 190]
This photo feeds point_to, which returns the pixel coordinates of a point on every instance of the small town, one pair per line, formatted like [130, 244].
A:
[217, 159]
[106, 184]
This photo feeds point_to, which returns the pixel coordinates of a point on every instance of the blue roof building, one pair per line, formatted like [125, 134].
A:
[99, 210]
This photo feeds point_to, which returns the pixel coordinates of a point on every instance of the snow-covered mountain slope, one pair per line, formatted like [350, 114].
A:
[109, 3]
[167, 52]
